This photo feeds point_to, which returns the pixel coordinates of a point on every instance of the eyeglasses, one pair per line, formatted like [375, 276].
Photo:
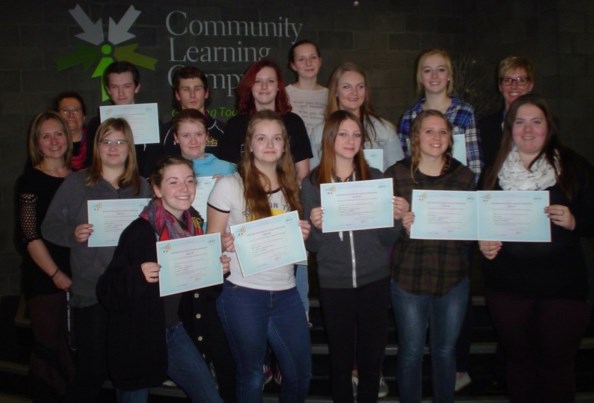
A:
[67, 111]
[108, 143]
[520, 81]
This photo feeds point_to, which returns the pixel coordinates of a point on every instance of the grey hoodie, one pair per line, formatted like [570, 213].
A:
[353, 259]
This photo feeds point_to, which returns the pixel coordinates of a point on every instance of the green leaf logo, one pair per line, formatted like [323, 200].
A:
[101, 53]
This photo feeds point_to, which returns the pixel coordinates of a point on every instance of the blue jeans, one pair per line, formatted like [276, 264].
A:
[444, 316]
[253, 319]
[302, 284]
[186, 368]
[132, 396]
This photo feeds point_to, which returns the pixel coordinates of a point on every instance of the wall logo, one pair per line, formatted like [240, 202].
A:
[101, 52]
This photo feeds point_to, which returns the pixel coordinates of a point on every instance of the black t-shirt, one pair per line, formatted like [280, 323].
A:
[231, 144]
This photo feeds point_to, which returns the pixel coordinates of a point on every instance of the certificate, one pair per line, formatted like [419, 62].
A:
[459, 148]
[444, 215]
[111, 217]
[513, 216]
[375, 158]
[142, 118]
[510, 216]
[205, 185]
[357, 205]
[268, 243]
[189, 263]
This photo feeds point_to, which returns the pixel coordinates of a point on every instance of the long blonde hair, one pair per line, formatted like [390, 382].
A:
[130, 176]
[366, 111]
[254, 190]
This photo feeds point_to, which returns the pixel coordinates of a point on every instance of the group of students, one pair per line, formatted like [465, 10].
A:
[270, 159]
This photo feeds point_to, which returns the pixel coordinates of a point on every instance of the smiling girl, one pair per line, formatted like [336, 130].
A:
[430, 277]
[263, 308]
[146, 339]
[435, 85]
[353, 267]
[113, 174]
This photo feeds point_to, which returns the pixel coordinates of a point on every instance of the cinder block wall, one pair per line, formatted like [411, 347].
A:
[384, 36]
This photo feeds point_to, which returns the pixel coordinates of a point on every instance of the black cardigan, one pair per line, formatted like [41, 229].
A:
[136, 346]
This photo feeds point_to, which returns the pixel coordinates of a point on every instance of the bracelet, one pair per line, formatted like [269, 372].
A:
[56, 272]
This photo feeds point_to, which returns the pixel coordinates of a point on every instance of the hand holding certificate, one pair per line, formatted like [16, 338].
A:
[357, 205]
[110, 217]
[268, 243]
[189, 263]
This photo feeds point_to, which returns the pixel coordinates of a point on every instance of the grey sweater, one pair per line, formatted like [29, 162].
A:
[69, 209]
[356, 259]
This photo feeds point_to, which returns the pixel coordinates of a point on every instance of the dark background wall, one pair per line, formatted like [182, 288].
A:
[384, 36]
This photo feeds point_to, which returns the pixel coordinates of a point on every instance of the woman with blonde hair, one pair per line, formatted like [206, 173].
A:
[45, 275]
[435, 85]
[349, 90]
[113, 174]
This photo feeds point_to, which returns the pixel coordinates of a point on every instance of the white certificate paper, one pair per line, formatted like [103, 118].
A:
[508, 216]
[111, 217]
[374, 158]
[513, 216]
[459, 148]
[444, 215]
[268, 243]
[142, 118]
[205, 185]
[189, 263]
[357, 205]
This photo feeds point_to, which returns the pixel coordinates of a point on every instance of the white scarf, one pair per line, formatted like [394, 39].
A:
[513, 175]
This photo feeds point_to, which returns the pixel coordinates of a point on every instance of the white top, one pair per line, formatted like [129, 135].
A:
[309, 105]
[227, 197]
[385, 138]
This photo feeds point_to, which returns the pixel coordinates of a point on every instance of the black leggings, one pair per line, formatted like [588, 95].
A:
[356, 321]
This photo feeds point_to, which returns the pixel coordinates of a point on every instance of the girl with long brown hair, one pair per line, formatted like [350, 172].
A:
[263, 308]
[353, 267]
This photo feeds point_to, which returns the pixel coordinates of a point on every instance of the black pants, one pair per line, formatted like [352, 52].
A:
[90, 328]
[356, 321]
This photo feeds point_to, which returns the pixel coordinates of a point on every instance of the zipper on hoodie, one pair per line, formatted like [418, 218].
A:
[352, 245]
[353, 259]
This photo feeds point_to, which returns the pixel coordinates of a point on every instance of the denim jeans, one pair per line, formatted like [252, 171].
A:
[302, 284]
[132, 396]
[253, 319]
[444, 316]
[186, 368]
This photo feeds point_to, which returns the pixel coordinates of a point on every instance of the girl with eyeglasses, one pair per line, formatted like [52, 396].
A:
[113, 174]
